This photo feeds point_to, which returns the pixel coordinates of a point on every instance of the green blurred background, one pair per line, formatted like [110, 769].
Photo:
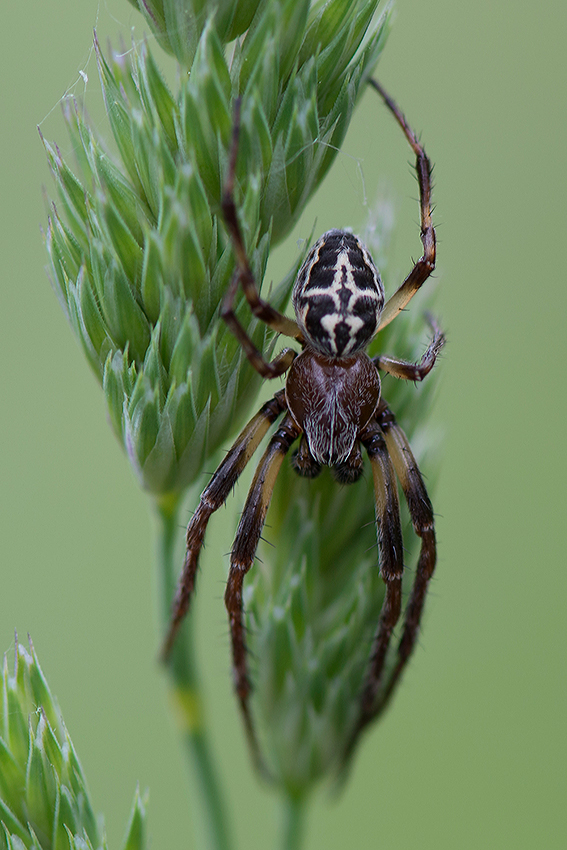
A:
[473, 752]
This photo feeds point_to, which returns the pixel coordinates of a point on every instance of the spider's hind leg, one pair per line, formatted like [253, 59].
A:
[244, 275]
[426, 264]
[242, 558]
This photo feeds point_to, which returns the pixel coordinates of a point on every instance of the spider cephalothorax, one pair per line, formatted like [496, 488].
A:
[332, 404]
[332, 400]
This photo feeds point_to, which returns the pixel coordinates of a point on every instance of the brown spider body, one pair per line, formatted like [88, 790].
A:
[333, 388]
[332, 400]
[332, 403]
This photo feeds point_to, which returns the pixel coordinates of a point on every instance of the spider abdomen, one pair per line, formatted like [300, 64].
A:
[332, 400]
[338, 295]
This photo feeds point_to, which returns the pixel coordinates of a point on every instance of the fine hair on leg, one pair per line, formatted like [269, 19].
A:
[241, 560]
[213, 496]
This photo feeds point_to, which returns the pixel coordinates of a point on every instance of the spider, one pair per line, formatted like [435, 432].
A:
[331, 404]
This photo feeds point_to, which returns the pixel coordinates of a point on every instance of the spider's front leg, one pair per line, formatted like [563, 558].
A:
[213, 496]
[242, 557]
[421, 512]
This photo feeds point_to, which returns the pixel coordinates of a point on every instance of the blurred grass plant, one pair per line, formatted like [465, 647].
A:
[140, 261]
[44, 800]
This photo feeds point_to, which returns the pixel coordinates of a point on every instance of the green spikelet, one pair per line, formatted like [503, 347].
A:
[44, 800]
[139, 258]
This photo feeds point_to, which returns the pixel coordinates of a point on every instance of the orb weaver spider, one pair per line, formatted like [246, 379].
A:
[331, 404]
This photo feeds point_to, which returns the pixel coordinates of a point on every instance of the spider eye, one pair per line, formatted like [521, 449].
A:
[338, 295]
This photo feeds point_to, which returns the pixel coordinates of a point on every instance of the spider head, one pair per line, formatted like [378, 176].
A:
[338, 295]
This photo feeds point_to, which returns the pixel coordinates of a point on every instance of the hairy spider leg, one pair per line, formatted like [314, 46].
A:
[242, 558]
[272, 369]
[425, 265]
[244, 275]
[407, 370]
[390, 547]
[421, 512]
[213, 496]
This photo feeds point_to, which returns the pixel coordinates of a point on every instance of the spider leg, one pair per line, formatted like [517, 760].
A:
[421, 513]
[414, 371]
[279, 364]
[242, 558]
[243, 275]
[390, 545]
[425, 265]
[213, 496]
